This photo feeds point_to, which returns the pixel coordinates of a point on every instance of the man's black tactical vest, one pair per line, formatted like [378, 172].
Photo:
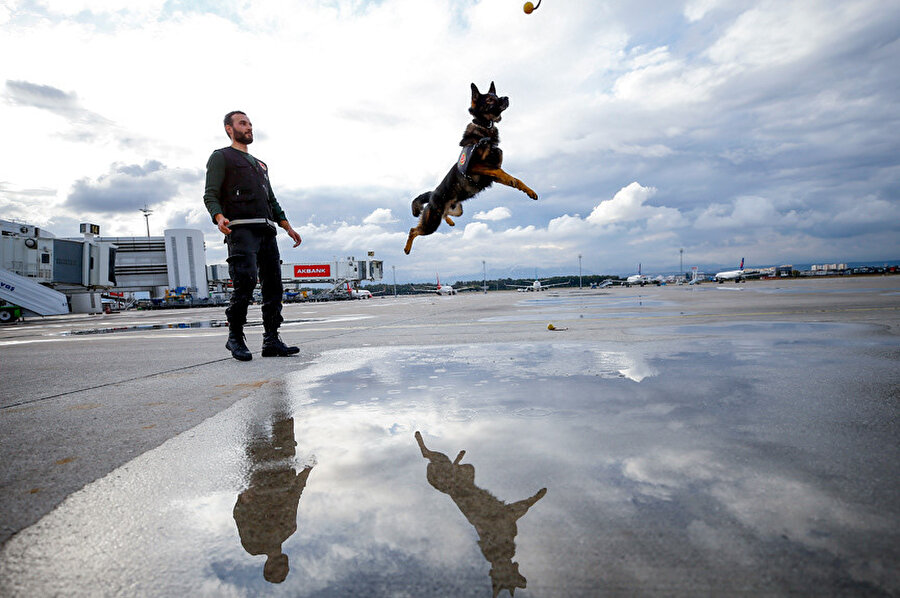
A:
[245, 190]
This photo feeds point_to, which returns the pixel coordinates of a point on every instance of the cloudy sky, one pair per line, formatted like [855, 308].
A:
[768, 130]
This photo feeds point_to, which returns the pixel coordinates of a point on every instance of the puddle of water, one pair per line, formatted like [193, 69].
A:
[573, 468]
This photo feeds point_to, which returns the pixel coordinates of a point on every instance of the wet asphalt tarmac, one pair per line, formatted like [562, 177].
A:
[673, 441]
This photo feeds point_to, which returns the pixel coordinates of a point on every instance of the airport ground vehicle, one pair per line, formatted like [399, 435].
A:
[9, 313]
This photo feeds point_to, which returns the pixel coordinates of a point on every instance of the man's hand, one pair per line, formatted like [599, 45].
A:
[291, 232]
[222, 222]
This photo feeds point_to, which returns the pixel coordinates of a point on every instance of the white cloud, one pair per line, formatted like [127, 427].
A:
[476, 230]
[107, 8]
[498, 213]
[746, 211]
[791, 30]
[695, 10]
[625, 206]
[380, 216]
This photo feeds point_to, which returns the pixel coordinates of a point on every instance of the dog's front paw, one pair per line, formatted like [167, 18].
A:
[525, 189]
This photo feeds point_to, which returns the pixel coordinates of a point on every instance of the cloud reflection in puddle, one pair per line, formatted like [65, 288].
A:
[682, 466]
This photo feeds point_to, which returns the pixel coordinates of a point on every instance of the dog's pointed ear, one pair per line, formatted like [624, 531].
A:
[475, 94]
[493, 89]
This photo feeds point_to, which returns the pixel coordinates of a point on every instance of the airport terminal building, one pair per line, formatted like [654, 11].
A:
[157, 264]
[45, 275]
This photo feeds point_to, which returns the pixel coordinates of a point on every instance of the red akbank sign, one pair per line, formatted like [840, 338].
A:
[312, 270]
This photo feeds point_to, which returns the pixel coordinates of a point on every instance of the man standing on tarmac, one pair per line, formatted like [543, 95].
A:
[242, 205]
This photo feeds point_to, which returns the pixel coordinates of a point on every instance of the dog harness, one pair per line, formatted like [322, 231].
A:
[466, 154]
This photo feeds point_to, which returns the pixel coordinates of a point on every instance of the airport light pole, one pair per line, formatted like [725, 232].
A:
[147, 213]
[483, 277]
[681, 261]
[579, 271]
[394, 270]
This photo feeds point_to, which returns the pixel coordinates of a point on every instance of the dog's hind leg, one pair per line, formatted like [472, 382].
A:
[419, 203]
[413, 233]
[455, 209]
[429, 221]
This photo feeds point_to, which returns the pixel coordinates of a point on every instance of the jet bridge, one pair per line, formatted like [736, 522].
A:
[37, 269]
[339, 271]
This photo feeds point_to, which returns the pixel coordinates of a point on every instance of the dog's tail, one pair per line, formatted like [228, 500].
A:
[419, 203]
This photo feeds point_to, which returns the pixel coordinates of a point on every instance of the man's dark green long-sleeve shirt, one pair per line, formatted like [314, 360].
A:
[215, 174]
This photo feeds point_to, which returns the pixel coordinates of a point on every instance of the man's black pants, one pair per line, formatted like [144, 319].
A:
[252, 251]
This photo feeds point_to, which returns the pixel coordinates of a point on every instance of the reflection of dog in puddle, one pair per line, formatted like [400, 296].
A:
[494, 520]
[266, 512]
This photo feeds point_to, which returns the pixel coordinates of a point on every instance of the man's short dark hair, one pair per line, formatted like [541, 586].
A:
[228, 116]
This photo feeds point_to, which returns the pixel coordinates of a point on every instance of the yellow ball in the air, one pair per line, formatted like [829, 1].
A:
[528, 8]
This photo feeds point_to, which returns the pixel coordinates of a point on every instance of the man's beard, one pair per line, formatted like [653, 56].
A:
[245, 138]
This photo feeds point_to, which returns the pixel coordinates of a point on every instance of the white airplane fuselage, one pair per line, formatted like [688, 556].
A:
[735, 275]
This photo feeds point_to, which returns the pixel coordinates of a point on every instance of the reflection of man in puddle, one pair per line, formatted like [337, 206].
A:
[266, 512]
[494, 520]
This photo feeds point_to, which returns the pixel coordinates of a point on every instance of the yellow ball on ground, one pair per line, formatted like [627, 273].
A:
[528, 8]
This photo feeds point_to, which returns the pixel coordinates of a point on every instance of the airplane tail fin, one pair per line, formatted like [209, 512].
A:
[742, 264]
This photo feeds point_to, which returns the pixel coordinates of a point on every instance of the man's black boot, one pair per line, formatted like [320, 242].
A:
[274, 347]
[237, 345]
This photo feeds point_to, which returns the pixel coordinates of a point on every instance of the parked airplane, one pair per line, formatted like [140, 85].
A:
[739, 275]
[343, 290]
[640, 279]
[442, 289]
[358, 293]
[536, 286]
